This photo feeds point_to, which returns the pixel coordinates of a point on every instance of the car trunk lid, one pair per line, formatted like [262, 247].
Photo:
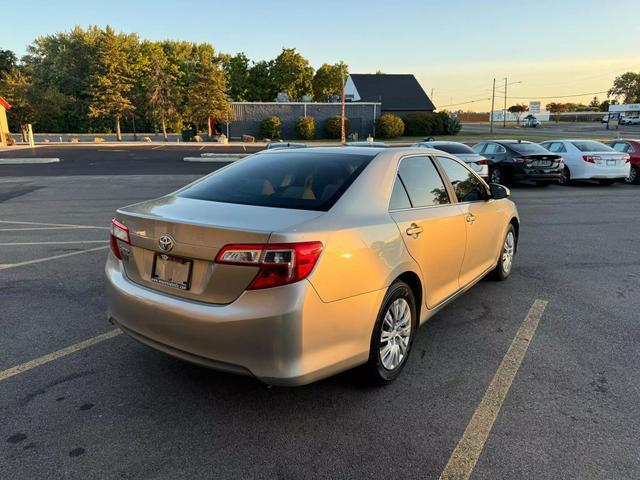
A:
[175, 241]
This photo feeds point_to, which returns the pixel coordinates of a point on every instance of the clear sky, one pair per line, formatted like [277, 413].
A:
[454, 47]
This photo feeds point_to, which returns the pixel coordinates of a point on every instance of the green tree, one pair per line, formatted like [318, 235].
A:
[8, 62]
[518, 109]
[557, 108]
[161, 86]
[111, 81]
[626, 87]
[236, 69]
[261, 86]
[292, 74]
[389, 125]
[306, 127]
[207, 96]
[594, 104]
[16, 88]
[327, 80]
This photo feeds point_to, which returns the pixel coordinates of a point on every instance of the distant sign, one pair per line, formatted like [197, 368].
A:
[625, 107]
[534, 107]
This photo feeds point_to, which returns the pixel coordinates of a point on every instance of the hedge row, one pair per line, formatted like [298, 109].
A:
[388, 125]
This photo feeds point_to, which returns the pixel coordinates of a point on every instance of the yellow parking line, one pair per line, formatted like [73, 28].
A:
[46, 259]
[466, 454]
[41, 224]
[24, 367]
[15, 244]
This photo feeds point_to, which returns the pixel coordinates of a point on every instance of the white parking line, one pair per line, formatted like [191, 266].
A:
[464, 457]
[24, 367]
[15, 222]
[16, 244]
[6, 266]
[27, 161]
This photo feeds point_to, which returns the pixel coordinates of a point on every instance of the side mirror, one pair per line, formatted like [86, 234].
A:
[499, 191]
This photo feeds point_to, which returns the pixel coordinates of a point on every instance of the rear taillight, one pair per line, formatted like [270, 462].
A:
[591, 158]
[626, 158]
[118, 232]
[518, 160]
[483, 162]
[279, 264]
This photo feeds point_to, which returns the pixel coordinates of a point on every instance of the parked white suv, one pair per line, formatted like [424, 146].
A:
[633, 120]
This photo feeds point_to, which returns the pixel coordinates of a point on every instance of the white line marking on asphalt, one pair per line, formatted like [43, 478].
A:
[6, 266]
[223, 159]
[27, 161]
[156, 148]
[464, 457]
[66, 242]
[24, 367]
[202, 148]
[51, 224]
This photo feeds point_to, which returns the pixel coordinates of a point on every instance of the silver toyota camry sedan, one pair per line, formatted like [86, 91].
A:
[296, 264]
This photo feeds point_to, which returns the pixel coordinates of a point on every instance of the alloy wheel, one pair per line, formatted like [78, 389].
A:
[507, 252]
[496, 177]
[395, 334]
[633, 175]
[565, 176]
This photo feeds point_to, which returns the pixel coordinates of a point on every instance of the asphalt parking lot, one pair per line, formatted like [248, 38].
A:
[117, 409]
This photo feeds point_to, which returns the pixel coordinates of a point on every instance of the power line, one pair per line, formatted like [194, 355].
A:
[465, 103]
[556, 96]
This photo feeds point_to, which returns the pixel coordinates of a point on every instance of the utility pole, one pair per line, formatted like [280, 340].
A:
[343, 136]
[493, 102]
[504, 112]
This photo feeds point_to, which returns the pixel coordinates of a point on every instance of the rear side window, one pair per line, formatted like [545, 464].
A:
[454, 148]
[298, 179]
[591, 146]
[622, 147]
[399, 197]
[423, 182]
[468, 187]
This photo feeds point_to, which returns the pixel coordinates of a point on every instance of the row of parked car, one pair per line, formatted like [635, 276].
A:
[553, 161]
[550, 162]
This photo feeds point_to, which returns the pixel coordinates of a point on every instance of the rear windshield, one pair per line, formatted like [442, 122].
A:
[454, 148]
[528, 148]
[591, 146]
[299, 179]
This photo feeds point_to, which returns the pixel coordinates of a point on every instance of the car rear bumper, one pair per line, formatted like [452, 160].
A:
[282, 336]
[595, 172]
[520, 173]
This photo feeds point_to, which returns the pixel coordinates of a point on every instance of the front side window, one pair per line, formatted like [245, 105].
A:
[478, 147]
[290, 178]
[423, 182]
[468, 187]
[555, 147]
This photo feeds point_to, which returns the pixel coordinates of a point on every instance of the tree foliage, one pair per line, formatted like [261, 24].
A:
[92, 79]
[518, 109]
[333, 126]
[626, 88]
[291, 74]
[327, 81]
[270, 127]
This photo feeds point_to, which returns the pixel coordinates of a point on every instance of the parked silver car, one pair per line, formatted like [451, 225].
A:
[296, 264]
[478, 163]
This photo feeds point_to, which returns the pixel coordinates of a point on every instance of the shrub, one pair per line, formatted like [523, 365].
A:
[270, 127]
[389, 125]
[333, 126]
[306, 127]
[423, 124]
[452, 125]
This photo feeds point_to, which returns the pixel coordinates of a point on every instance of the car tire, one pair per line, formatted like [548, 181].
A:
[507, 255]
[388, 357]
[565, 177]
[633, 175]
[495, 175]
[606, 181]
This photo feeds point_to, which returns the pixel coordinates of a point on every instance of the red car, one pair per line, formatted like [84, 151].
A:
[632, 147]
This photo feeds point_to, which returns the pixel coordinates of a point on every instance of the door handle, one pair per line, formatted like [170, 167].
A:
[414, 230]
[470, 218]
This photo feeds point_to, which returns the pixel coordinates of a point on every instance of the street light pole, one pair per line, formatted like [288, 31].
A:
[493, 102]
[504, 112]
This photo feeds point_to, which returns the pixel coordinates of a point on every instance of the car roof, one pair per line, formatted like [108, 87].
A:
[441, 142]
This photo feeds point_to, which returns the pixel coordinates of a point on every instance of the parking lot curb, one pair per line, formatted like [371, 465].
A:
[27, 161]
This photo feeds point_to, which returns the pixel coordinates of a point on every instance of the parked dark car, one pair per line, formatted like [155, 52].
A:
[632, 147]
[516, 161]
